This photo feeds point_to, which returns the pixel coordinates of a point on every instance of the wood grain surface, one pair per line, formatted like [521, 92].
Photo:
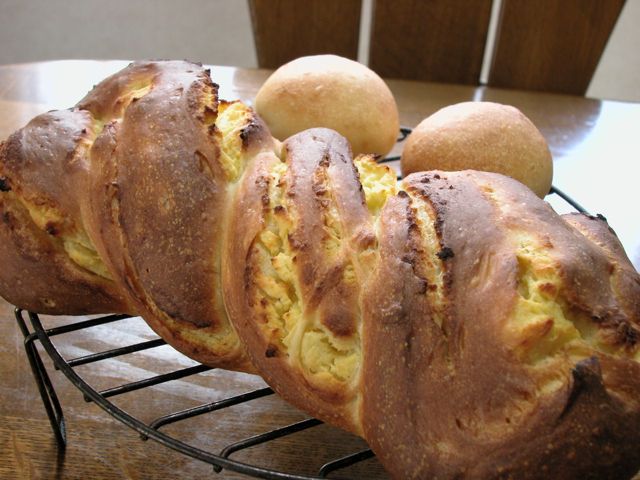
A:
[433, 40]
[595, 147]
[287, 29]
[552, 45]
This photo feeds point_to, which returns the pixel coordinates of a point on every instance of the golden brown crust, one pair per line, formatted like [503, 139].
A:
[120, 202]
[159, 191]
[469, 400]
[319, 177]
[625, 283]
[428, 368]
[165, 180]
[41, 168]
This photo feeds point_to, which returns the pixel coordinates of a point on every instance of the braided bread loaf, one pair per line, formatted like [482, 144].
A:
[453, 320]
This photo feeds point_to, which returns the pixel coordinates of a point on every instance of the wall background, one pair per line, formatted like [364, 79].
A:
[618, 73]
[216, 32]
[209, 31]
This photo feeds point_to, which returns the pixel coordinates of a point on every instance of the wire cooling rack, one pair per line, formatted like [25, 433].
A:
[33, 330]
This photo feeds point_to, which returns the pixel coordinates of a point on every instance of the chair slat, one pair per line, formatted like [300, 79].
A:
[551, 45]
[287, 29]
[430, 40]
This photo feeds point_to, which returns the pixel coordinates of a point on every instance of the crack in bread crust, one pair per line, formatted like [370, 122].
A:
[304, 246]
[171, 163]
[290, 288]
[550, 319]
[428, 264]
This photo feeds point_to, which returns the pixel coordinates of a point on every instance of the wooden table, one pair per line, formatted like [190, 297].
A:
[596, 149]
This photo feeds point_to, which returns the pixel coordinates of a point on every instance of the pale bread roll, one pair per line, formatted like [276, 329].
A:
[332, 92]
[482, 136]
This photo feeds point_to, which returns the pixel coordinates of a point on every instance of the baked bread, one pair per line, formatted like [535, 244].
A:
[489, 342]
[482, 136]
[134, 178]
[453, 319]
[333, 92]
[49, 264]
[532, 369]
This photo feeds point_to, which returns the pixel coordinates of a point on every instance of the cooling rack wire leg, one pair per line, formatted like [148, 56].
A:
[45, 387]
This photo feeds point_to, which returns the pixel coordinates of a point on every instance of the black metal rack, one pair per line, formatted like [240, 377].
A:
[34, 331]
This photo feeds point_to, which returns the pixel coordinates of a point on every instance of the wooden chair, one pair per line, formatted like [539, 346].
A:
[549, 45]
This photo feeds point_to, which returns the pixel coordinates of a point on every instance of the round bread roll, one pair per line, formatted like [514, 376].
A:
[481, 136]
[332, 92]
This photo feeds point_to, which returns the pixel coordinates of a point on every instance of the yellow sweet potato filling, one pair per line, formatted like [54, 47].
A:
[430, 267]
[544, 328]
[539, 318]
[326, 359]
[74, 239]
[277, 293]
[321, 356]
[333, 241]
[224, 340]
[83, 253]
[543, 323]
[378, 181]
[134, 92]
[232, 118]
